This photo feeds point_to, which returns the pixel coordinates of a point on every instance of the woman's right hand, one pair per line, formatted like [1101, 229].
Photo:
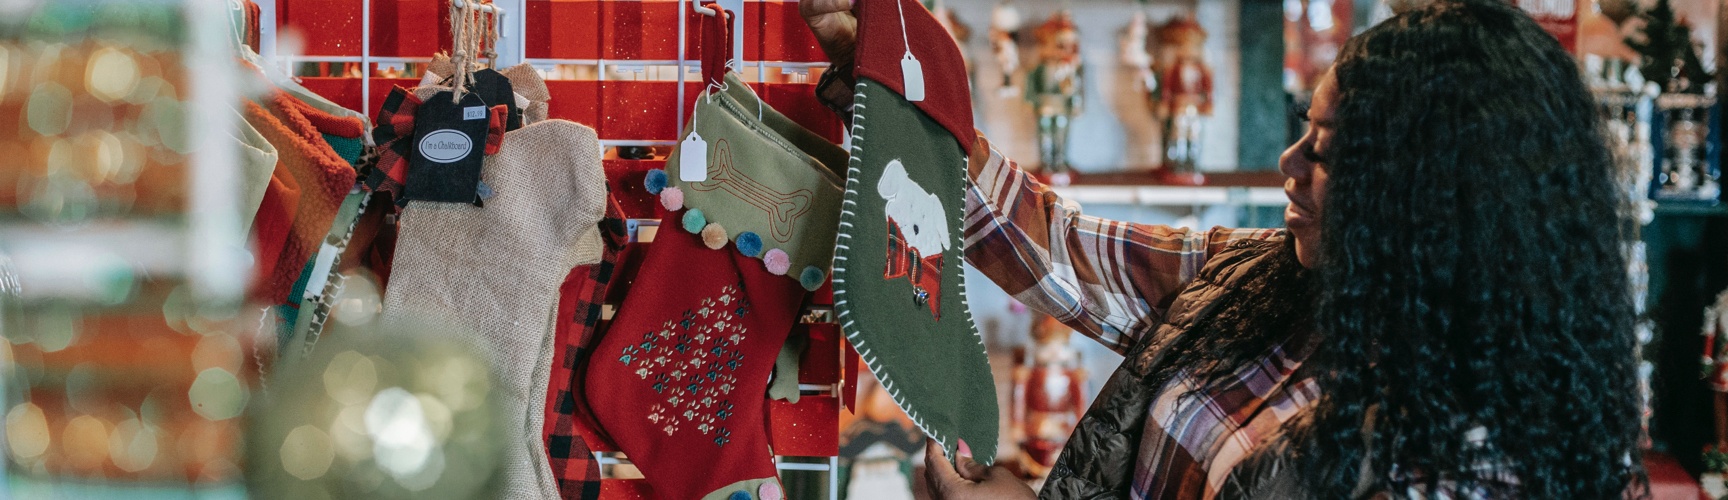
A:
[835, 27]
[969, 481]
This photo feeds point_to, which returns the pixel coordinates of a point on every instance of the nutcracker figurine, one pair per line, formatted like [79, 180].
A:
[1184, 96]
[1134, 55]
[1054, 88]
[1047, 396]
[1136, 84]
[1716, 374]
[1005, 43]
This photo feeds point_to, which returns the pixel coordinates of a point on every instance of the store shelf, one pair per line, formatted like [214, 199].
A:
[1256, 189]
[1175, 196]
[1692, 209]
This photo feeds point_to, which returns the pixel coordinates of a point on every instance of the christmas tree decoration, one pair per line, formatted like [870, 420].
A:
[397, 412]
[899, 284]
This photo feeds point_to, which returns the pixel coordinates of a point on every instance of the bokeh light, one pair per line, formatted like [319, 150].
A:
[27, 435]
[307, 452]
[50, 109]
[217, 394]
[350, 378]
[111, 74]
[114, 374]
[402, 438]
[383, 401]
[133, 445]
[86, 442]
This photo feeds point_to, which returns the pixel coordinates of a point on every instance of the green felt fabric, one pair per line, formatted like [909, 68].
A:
[784, 387]
[926, 351]
[349, 148]
[765, 176]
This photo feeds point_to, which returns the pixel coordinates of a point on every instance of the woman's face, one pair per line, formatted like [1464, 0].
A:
[1305, 165]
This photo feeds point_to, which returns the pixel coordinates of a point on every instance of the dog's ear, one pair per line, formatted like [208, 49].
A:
[894, 179]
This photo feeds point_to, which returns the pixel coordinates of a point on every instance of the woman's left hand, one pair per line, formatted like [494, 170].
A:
[970, 480]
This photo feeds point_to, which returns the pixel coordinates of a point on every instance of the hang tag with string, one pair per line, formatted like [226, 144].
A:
[693, 153]
[911, 71]
[693, 158]
[913, 74]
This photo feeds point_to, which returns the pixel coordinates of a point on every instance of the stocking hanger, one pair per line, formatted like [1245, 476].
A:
[469, 39]
[731, 59]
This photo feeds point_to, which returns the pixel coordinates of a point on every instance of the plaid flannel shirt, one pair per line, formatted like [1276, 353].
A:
[579, 311]
[1114, 281]
[1109, 280]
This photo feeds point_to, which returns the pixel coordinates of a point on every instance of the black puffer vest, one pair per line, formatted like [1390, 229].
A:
[1098, 461]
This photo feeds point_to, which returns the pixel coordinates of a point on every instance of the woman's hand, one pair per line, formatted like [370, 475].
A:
[970, 480]
[835, 27]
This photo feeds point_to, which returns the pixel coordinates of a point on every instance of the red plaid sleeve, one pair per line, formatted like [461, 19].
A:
[579, 310]
[1110, 280]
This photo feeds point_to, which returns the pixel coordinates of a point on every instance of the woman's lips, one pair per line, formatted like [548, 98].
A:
[1297, 214]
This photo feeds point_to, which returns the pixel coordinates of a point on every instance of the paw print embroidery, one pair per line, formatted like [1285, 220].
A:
[693, 362]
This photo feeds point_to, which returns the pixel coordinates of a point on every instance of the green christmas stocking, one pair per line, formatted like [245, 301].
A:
[767, 184]
[898, 276]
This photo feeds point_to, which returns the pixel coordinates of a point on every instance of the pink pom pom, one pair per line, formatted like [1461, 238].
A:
[777, 261]
[769, 491]
[672, 198]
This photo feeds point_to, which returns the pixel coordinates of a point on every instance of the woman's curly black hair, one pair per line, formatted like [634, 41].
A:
[1473, 273]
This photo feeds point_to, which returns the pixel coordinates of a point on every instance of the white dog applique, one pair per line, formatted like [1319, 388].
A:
[917, 235]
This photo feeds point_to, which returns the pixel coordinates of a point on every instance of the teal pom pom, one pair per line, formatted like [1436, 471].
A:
[749, 244]
[655, 181]
[739, 495]
[812, 278]
[694, 221]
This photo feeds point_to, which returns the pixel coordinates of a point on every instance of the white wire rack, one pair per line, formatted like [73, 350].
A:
[512, 50]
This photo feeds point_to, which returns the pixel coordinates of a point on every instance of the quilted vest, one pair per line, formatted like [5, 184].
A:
[1098, 461]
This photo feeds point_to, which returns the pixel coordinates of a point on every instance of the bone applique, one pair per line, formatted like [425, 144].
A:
[783, 209]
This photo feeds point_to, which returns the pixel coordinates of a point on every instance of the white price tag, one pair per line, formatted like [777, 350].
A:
[912, 74]
[474, 113]
[693, 158]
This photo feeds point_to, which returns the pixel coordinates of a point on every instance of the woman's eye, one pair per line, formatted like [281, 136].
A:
[1311, 155]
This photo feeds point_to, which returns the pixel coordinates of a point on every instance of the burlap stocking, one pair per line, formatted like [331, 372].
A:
[496, 270]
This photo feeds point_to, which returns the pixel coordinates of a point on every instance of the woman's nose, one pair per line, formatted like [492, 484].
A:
[1292, 164]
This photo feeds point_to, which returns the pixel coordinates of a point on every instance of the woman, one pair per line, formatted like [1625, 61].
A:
[1447, 313]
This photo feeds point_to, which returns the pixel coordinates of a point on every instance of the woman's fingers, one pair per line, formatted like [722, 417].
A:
[971, 470]
[835, 27]
[937, 470]
[813, 8]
